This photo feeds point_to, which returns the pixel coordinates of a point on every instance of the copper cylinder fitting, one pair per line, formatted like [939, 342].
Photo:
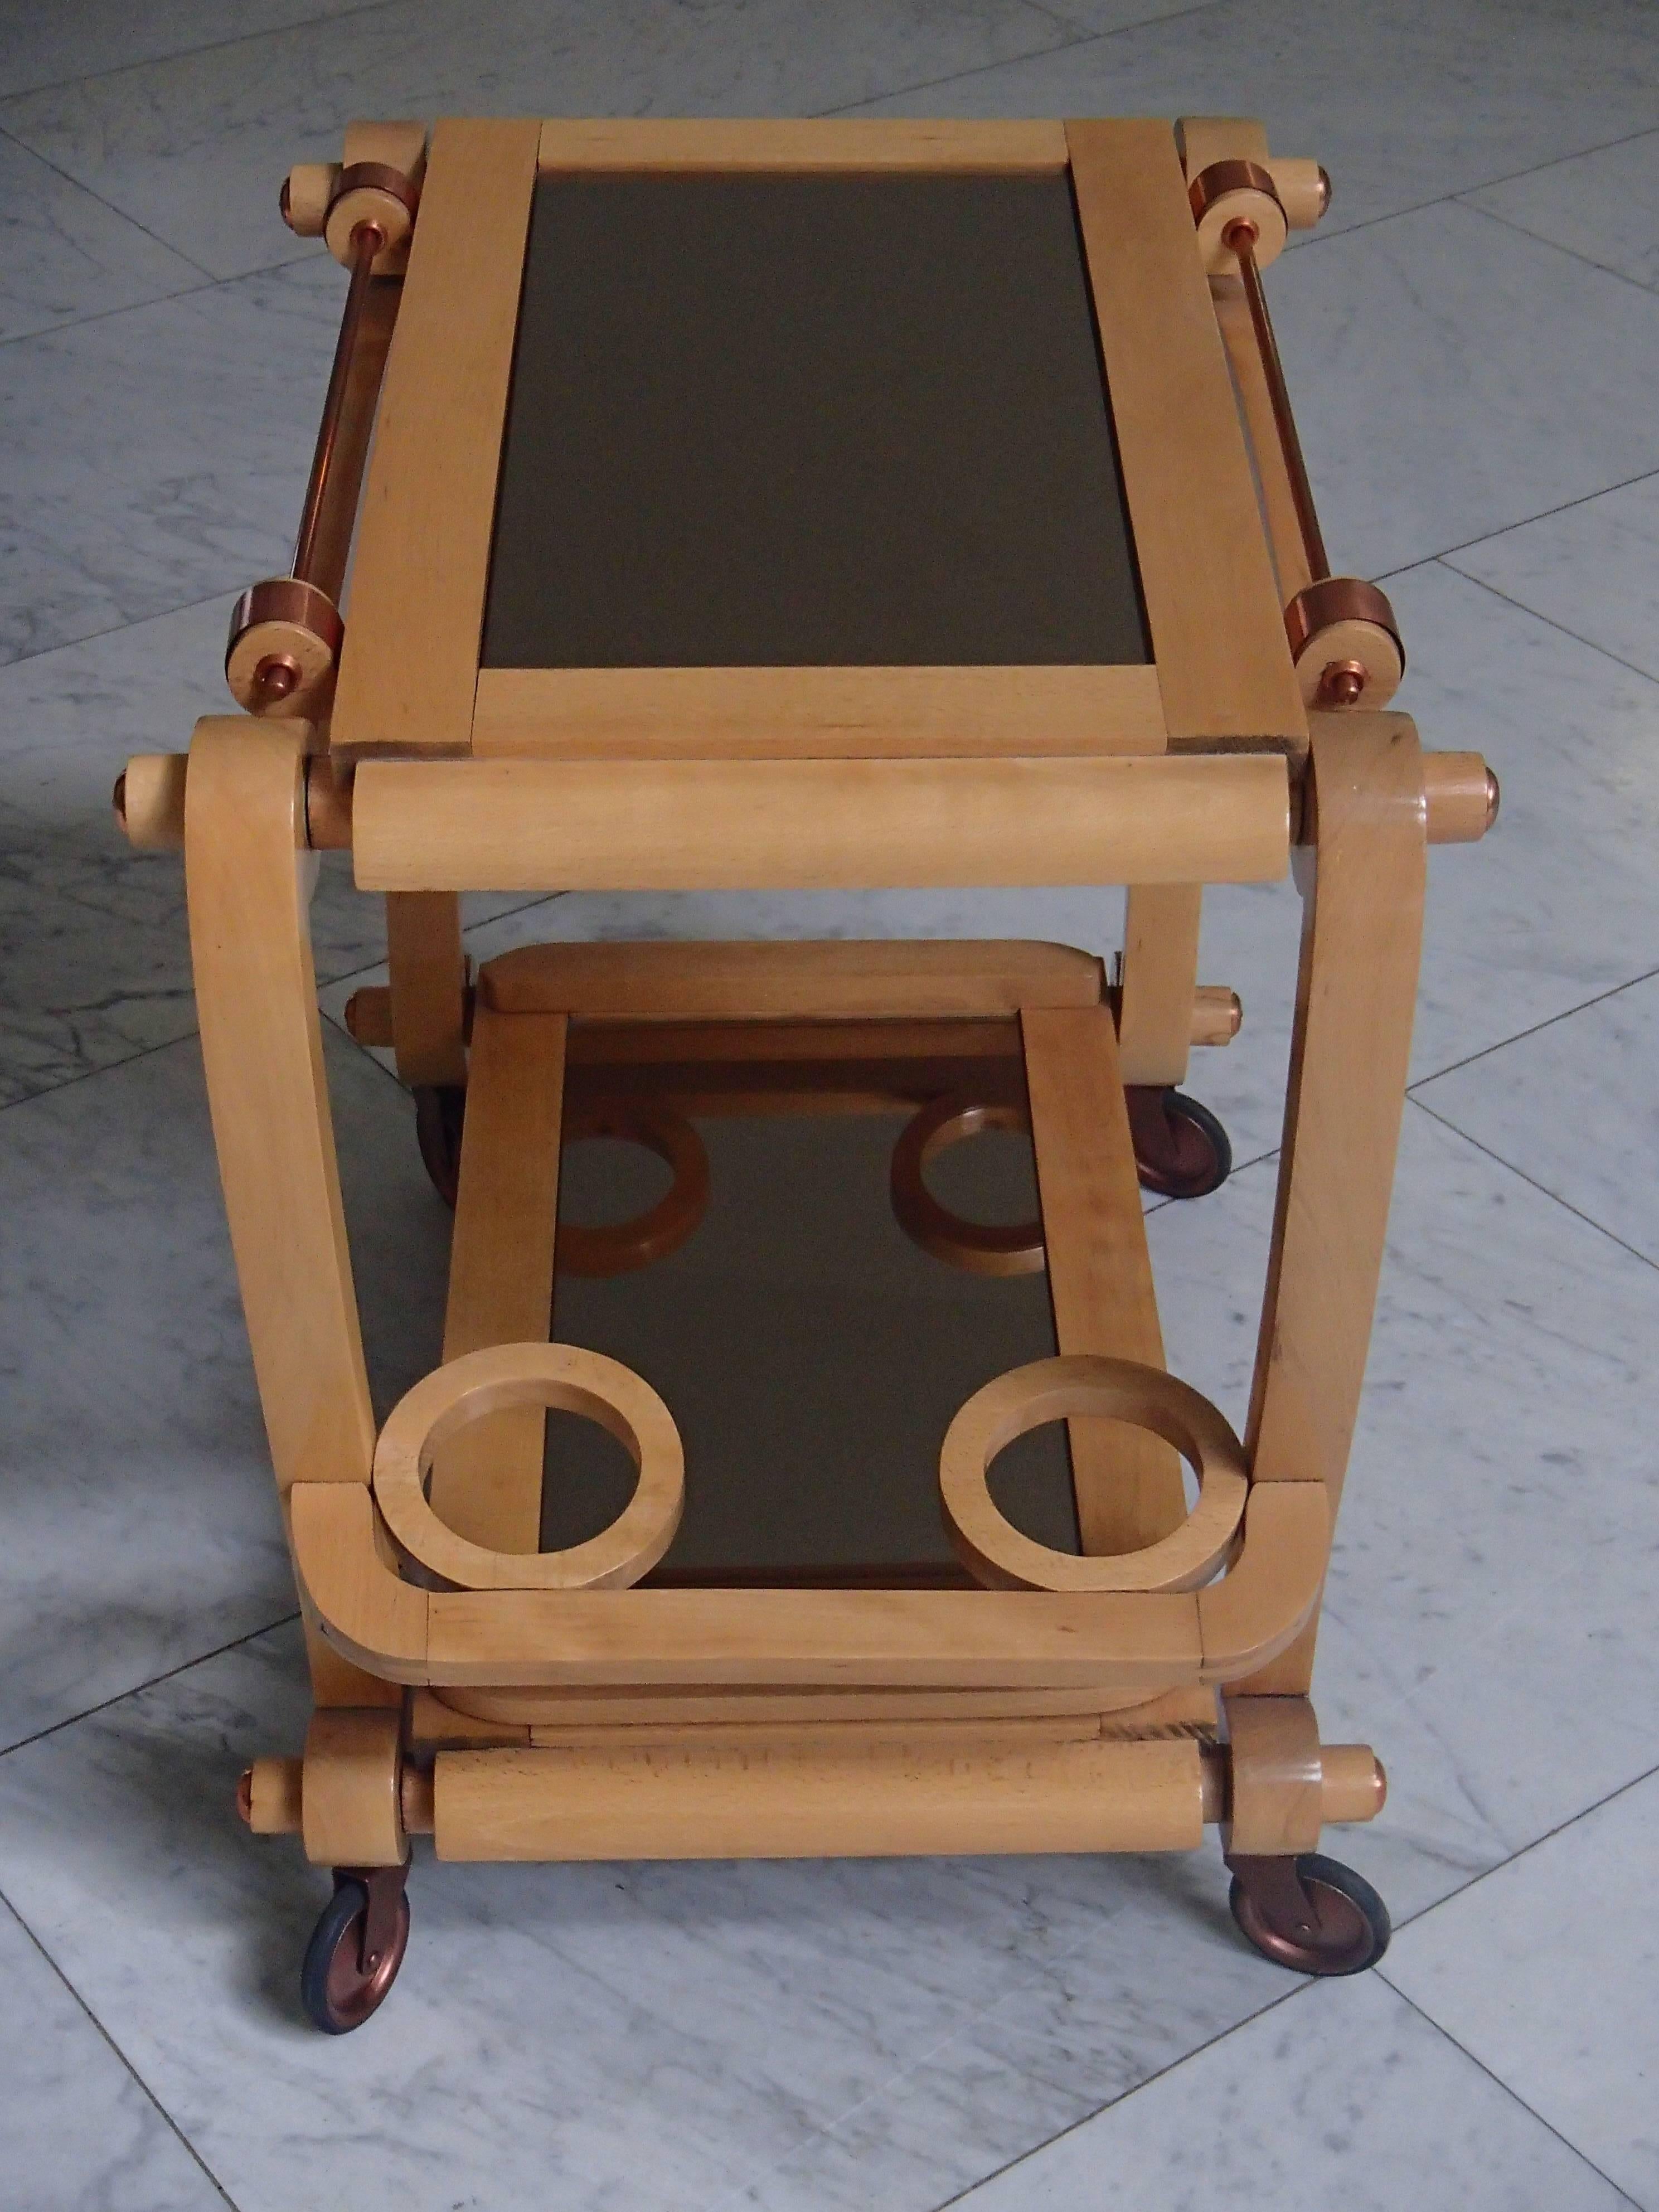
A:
[283, 647]
[1226, 195]
[372, 193]
[1344, 642]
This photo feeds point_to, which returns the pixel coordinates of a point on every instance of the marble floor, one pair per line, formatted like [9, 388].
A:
[1471, 338]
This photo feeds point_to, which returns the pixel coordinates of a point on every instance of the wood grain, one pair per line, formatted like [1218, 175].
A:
[687, 825]
[850, 143]
[764, 713]
[1128, 1482]
[410, 665]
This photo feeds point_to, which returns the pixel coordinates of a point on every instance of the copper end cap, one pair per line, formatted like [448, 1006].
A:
[1494, 798]
[245, 1797]
[276, 677]
[1324, 191]
[118, 798]
[1342, 682]
[285, 205]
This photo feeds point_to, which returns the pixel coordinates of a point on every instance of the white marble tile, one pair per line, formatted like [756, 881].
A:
[1598, 206]
[194, 147]
[98, 950]
[1488, 1610]
[42, 45]
[1593, 568]
[1452, 376]
[141, 1517]
[77, 2129]
[1344, 2096]
[157, 457]
[1557, 904]
[610, 2035]
[1576, 1107]
[1402, 104]
[1545, 1972]
[64, 255]
[1166, 1975]
[69, 718]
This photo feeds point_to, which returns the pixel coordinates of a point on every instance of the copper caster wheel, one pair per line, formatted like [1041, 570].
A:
[439, 1114]
[1349, 1928]
[1180, 1149]
[341, 1981]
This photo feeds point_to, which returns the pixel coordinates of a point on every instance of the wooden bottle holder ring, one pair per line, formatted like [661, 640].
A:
[978, 1248]
[1079, 1385]
[618, 1248]
[557, 1374]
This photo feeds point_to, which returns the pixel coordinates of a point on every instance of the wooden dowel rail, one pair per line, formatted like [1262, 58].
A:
[733, 1792]
[1460, 793]
[804, 824]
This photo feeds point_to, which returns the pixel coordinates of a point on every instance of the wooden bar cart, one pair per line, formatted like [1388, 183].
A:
[804, 506]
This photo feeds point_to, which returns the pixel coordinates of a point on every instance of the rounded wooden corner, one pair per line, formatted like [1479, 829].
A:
[1270, 1592]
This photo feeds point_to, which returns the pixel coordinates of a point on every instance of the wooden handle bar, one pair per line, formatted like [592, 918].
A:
[1460, 793]
[689, 825]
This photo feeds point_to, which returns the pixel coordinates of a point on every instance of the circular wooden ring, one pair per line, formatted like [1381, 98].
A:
[558, 1374]
[1337, 621]
[979, 1247]
[1227, 193]
[995, 1552]
[618, 1248]
[291, 625]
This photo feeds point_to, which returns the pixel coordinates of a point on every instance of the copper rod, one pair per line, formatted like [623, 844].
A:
[1241, 237]
[368, 240]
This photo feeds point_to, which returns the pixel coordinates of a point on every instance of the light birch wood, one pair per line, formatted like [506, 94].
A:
[507, 1375]
[854, 144]
[772, 981]
[1349, 1052]
[1128, 1482]
[487, 1480]
[409, 668]
[744, 1703]
[428, 986]
[1213, 604]
[765, 713]
[851, 1803]
[970, 1639]
[1276, 1784]
[1258, 1608]
[351, 1812]
[1157, 1005]
[687, 825]
[1223, 667]
[256, 997]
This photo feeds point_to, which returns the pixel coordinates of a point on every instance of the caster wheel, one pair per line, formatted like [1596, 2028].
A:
[1348, 1930]
[339, 1985]
[440, 1113]
[1180, 1149]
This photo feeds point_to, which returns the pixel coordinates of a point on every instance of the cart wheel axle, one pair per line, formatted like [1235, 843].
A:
[355, 1948]
[1311, 1914]
[1180, 1149]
